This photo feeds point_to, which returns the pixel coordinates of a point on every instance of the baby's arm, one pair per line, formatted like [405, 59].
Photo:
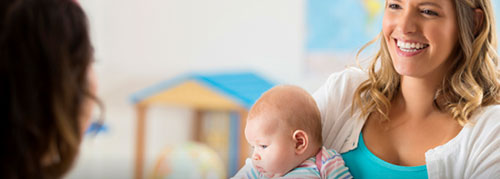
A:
[247, 171]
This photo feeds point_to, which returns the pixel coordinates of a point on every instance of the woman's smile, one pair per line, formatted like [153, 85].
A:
[408, 48]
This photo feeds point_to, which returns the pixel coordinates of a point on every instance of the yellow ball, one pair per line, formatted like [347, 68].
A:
[189, 160]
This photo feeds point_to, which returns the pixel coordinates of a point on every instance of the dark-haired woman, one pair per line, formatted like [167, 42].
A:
[47, 86]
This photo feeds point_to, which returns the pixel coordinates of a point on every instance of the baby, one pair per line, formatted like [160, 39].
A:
[284, 129]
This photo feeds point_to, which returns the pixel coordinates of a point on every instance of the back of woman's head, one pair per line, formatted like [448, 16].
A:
[45, 54]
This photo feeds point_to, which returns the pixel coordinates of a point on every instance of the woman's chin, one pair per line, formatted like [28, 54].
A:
[407, 71]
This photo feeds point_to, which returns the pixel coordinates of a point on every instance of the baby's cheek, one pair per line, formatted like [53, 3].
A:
[279, 162]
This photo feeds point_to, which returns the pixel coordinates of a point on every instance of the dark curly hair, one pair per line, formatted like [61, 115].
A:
[45, 54]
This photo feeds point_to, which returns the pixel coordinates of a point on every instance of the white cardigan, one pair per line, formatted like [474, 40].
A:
[473, 153]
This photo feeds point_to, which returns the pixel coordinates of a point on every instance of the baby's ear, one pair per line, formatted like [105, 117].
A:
[301, 141]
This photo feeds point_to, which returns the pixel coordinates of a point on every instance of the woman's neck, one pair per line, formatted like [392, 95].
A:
[416, 97]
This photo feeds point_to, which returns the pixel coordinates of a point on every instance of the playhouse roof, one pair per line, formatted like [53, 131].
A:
[207, 91]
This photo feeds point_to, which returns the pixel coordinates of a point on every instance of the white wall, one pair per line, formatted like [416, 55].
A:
[139, 43]
[167, 37]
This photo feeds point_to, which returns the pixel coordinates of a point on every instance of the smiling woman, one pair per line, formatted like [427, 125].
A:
[424, 31]
[429, 103]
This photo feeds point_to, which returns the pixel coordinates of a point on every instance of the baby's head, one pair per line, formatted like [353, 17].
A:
[284, 128]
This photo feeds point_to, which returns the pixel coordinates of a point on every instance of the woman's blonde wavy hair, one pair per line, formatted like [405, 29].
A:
[472, 82]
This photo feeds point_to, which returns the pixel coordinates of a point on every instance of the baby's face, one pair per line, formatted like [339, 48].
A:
[273, 146]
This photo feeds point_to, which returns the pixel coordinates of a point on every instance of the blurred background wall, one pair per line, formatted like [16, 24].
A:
[140, 43]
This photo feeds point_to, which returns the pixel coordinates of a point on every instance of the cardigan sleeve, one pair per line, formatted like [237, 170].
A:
[334, 100]
[484, 159]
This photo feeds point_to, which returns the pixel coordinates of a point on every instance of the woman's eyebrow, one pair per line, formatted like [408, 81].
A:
[427, 3]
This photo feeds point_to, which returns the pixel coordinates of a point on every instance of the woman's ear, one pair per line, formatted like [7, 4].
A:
[301, 141]
[478, 20]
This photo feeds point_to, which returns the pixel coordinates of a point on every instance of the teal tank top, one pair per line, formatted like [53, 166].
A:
[364, 164]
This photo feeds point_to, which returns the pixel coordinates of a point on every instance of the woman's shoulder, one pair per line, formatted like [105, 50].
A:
[351, 74]
[483, 141]
[486, 122]
[491, 110]
[340, 87]
[334, 99]
[343, 83]
[488, 116]
[483, 128]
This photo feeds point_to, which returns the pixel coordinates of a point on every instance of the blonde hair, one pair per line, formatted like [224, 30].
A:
[472, 82]
[296, 108]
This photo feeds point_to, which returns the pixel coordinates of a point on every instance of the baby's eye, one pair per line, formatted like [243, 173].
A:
[263, 146]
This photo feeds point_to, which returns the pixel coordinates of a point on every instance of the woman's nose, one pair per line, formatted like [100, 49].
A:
[407, 22]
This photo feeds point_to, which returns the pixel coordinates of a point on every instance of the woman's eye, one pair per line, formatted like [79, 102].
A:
[394, 6]
[263, 146]
[429, 12]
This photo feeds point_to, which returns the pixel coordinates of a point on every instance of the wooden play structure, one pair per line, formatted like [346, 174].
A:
[231, 92]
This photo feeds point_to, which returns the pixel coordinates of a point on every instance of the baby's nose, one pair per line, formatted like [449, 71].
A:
[255, 156]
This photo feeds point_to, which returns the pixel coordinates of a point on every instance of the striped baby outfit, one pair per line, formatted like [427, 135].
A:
[326, 164]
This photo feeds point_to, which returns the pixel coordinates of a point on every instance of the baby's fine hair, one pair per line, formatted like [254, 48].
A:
[296, 109]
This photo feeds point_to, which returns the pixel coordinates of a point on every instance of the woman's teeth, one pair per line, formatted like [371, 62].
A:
[411, 47]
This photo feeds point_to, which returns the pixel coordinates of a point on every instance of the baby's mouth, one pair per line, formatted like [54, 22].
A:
[260, 169]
